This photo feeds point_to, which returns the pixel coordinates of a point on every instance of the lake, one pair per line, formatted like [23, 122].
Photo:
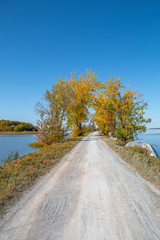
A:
[17, 142]
[151, 136]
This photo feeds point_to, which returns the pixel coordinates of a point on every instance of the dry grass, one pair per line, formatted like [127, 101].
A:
[147, 166]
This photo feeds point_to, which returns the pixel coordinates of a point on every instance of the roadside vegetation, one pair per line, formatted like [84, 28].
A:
[67, 102]
[36, 145]
[138, 158]
[16, 127]
[118, 111]
[18, 175]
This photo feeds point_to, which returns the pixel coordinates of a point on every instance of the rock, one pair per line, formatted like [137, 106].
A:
[114, 139]
[145, 145]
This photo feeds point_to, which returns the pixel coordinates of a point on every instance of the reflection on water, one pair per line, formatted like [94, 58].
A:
[14, 143]
[152, 136]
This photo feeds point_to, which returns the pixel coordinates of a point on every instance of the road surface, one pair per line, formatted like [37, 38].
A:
[90, 195]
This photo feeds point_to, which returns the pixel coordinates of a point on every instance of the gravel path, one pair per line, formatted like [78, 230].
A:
[91, 194]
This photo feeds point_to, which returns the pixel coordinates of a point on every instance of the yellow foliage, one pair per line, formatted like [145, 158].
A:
[119, 111]
[80, 92]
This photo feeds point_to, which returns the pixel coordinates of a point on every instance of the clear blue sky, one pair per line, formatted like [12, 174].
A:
[43, 40]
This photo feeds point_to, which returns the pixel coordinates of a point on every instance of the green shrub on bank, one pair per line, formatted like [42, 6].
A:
[36, 145]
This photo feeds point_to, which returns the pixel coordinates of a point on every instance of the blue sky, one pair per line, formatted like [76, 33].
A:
[43, 40]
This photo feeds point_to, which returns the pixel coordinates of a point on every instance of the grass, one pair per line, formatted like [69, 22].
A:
[18, 175]
[139, 159]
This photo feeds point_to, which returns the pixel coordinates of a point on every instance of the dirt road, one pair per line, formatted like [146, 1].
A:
[90, 195]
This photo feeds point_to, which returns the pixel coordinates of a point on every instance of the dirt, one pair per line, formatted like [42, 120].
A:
[90, 195]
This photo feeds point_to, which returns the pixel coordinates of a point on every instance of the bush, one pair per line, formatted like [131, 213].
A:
[36, 145]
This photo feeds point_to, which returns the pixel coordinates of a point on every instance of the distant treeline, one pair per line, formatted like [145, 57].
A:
[15, 126]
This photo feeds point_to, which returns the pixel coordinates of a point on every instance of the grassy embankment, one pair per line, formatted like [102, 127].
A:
[138, 158]
[18, 175]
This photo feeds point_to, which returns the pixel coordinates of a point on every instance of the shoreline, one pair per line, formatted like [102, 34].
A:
[17, 133]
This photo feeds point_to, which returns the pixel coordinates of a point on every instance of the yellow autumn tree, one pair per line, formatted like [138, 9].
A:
[68, 105]
[104, 104]
[80, 92]
[51, 127]
[119, 111]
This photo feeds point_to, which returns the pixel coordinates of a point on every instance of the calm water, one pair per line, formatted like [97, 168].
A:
[14, 143]
[152, 137]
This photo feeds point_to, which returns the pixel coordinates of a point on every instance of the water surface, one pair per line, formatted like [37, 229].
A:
[17, 142]
[151, 136]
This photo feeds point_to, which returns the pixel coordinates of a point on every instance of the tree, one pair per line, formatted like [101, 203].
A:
[80, 92]
[16, 126]
[104, 105]
[130, 115]
[50, 125]
[68, 104]
[120, 111]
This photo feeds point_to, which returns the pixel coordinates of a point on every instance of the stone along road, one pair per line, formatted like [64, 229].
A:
[91, 194]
